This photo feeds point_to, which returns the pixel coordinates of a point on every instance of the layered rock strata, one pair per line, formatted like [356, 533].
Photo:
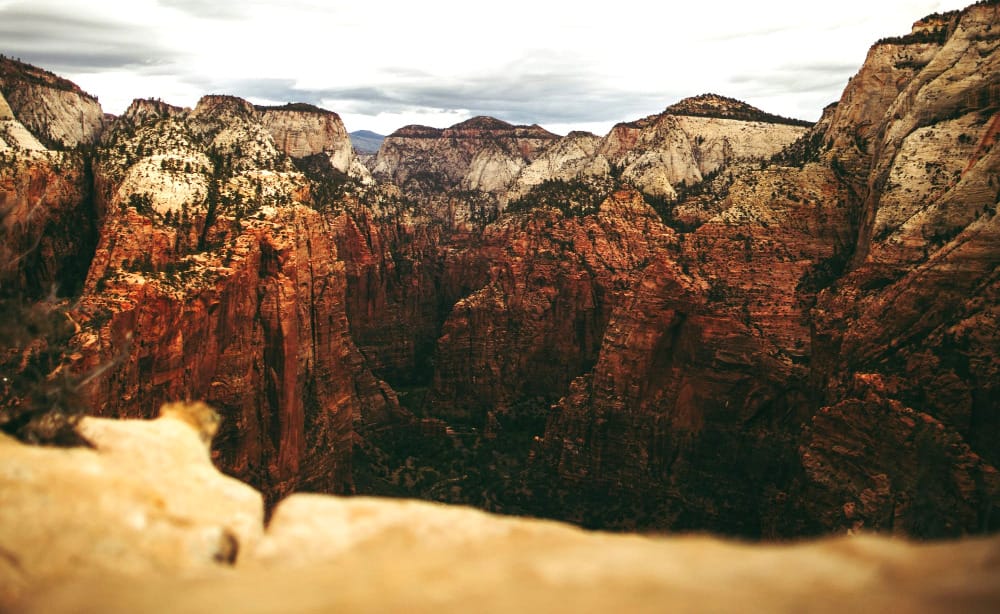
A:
[214, 280]
[914, 323]
[693, 139]
[538, 321]
[482, 153]
[302, 130]
[828, 409]
[56, 111]
[46, 210]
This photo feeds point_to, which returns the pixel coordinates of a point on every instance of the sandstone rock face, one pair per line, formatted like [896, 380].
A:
[689, 140]
[912, 466]
[404, 272]
[482, 154]
[692, 139]
[213, 280]
[572, 157]
[56, 111]
[145, 523]
[744, 372]
[538, 321]
[302, 130]
[46, 220]
[914, 323]
[13, 134]
[145, 500]
[701, 362]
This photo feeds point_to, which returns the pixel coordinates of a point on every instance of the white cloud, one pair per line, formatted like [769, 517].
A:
[385, 64]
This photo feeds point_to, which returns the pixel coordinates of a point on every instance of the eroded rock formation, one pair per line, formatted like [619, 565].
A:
[214, 280]
[675, 326]
[778, 400]
[55, 110]
[482, 154]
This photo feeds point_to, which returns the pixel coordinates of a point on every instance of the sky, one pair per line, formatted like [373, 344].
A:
[385, 64]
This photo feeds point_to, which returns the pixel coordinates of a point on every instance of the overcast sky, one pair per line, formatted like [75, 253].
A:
[385, 64]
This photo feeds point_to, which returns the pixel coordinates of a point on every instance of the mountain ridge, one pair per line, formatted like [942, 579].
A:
[366, 141]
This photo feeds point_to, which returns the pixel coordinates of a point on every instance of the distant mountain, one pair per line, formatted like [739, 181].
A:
[366, 141]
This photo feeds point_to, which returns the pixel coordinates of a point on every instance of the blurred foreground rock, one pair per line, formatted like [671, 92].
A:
[144, 523]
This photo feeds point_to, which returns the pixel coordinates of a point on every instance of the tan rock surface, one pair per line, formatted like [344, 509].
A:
[482, 153]
[143, 522]
[13, 134]
[574, 156]
[56, 111]
[302, 130]
[146, 500]
[914, 322]
[691, 139]
[362, 555]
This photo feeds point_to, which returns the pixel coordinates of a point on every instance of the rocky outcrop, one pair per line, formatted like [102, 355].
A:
[915, 318]
[482, 153]
[760, 368]
[143, 522]
[692, 139]
[702, 361]
[213, 280]
[302, 130]
[538, 321]
[404, 272]
[144, 500]
[573, 157]
[13, 134]
[47, 222]
[878, 465]
[55, 110]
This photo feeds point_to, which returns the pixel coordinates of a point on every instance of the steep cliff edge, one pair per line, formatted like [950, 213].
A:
[538, 320]
[914, 323]
[55, 110]
[687, 418]
[47, 221]
[46, 207]
[481, 154]
[213, 279]
[302, 131]
[840, 356]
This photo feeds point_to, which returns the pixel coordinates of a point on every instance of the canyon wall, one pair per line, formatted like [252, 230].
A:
[839, 357]
[214, 279]
[712, 318]
[56, 111]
